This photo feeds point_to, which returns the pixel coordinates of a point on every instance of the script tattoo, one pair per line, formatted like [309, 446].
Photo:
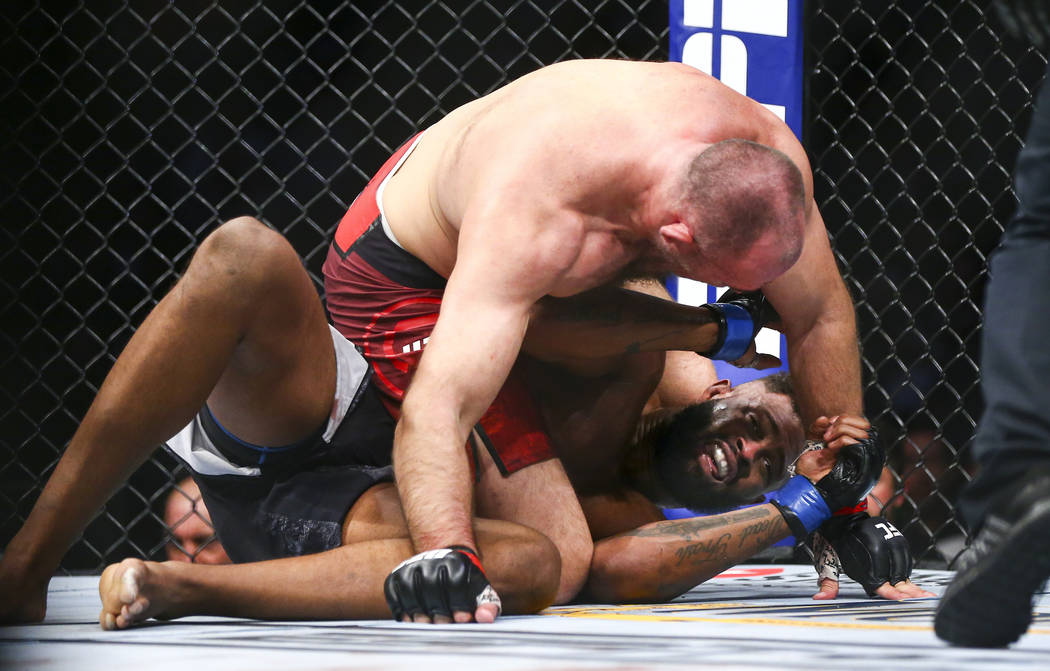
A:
[704, 551]
[765, 532]
[695, 528]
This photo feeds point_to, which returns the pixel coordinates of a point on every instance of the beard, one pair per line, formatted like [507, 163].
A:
[676, 462]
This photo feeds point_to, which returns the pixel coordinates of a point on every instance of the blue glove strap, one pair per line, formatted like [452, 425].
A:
[802, 498]
[740, 329]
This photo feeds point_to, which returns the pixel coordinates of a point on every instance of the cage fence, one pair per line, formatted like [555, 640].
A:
[131, 129]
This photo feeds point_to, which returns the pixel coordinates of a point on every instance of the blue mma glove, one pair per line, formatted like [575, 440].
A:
[740, 317]
[439, 582]
[805, 506]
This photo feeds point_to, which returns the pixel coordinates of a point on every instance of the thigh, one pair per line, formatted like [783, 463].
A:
[376, 515]
[279, 385]
[540, 497]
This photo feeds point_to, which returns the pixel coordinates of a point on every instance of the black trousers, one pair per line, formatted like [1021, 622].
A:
[1013, 438]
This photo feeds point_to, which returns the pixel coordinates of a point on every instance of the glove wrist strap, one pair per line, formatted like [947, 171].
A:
[736, 329]
[804, 501]
[798, 530]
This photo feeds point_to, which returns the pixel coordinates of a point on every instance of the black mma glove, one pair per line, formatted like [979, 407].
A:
[805, 506]
[439, 582]
[870, 550]
[740, 317]
[762, 313]
[855, 473]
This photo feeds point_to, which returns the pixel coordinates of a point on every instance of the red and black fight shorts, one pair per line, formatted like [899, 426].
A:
[386, 301]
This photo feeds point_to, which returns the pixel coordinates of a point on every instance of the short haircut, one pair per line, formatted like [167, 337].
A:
[780, 383]
[741, 190]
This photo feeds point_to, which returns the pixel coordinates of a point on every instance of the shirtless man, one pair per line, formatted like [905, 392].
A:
[638, 557]
[725, 449]
[557, 183]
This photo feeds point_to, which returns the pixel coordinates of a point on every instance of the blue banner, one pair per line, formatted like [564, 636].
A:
[755, 48]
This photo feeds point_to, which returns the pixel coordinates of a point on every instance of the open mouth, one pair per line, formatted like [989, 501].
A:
[719, 460]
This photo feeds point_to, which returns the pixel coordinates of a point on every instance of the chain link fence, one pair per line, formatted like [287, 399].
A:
[129, 130]
[916, 113]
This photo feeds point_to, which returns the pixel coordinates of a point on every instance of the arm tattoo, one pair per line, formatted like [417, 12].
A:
[764, 532]
[694, 528]
[704, 551]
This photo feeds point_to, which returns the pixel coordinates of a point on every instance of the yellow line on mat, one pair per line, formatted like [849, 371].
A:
[745, 620]
[748, 620]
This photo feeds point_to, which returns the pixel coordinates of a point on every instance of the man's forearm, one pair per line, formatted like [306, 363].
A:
[659, 561]
[612, 321]
[825, 366]
[433, 480]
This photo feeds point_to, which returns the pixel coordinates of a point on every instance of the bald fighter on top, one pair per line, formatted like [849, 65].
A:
[565, 180]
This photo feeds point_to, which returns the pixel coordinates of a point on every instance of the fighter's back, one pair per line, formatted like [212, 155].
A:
[585, 134]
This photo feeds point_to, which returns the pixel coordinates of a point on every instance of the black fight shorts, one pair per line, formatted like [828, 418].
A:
[272, 502]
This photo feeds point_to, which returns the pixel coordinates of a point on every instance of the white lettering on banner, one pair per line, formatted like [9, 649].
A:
[743, 17]
[762, 17]
[757, 17]
[699, 13]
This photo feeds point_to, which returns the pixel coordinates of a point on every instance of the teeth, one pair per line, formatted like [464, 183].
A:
[720, 461]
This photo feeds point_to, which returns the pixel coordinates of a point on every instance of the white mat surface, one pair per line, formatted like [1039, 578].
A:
[753, 617]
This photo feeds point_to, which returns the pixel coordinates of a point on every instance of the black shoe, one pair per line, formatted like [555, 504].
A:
[989, 603]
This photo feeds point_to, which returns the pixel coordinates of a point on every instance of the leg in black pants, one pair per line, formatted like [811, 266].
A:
[989, 602]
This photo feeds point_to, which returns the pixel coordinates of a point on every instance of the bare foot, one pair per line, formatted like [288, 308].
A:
[132, 591]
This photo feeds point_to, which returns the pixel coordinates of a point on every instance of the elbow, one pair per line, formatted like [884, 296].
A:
[617, 577]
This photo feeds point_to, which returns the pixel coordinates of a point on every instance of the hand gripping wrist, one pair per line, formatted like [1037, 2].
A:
[736, 329]
[802, 506]
[855, 472]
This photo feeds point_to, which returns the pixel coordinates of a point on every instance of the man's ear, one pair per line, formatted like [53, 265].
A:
[676, 233]
[717, 389]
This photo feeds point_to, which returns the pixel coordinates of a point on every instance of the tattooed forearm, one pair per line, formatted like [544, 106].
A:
[762, 530]
[693, 528]
[704, 551]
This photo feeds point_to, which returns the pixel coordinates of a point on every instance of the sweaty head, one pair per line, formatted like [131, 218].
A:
[744, 203]
[728, 450]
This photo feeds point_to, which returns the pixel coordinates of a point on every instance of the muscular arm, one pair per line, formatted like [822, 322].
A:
[613, 321]
[661, 560]
[467, 359]
[590, 334]
[818, 320]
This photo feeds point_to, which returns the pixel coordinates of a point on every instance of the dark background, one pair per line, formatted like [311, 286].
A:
[129, 130]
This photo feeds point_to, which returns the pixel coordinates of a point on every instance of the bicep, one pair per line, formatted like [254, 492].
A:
[469, 354]
[812, 290]
[483, 318]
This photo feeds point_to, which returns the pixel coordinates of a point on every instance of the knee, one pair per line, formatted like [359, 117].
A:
[524, 567]
[242, 251]
[575, 554]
